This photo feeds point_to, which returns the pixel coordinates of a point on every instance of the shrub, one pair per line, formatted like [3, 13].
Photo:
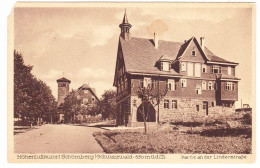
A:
[215, 121]
[188, 124]
[247, 119]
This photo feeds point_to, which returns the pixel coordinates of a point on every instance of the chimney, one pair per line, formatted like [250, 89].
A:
[155, 40]
[202, 43]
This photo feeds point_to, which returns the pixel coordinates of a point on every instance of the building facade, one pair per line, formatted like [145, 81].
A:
[89, 99]
[63, 91]
[198, 83]
[87, 95]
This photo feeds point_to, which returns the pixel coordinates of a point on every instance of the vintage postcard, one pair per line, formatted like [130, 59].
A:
[131, 83]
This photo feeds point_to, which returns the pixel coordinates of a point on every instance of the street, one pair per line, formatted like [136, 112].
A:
[51, 138]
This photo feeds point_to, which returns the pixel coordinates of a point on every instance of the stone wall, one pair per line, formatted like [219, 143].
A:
[186, 110]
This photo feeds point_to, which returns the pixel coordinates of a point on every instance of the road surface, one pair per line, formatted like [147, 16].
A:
[51, 138]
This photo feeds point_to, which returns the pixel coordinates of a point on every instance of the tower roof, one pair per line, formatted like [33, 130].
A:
[63, 80]
[125, 20]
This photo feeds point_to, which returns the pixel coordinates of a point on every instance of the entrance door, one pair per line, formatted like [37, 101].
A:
[206, 107]
[149, 113]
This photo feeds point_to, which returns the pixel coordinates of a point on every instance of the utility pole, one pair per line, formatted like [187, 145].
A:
[241, 106]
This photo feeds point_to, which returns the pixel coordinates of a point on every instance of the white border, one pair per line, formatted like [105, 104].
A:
[6, 7]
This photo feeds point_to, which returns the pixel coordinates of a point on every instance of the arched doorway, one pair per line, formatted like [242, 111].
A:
[149, 112]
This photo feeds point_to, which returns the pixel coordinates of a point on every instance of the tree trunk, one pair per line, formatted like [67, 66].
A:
[158, 102]
[143, 113]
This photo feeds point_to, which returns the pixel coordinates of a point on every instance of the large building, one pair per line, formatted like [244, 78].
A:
[199, 83]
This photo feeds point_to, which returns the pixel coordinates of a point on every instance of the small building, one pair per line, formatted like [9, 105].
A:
[199, 83]
[87, 94]
[89, 99]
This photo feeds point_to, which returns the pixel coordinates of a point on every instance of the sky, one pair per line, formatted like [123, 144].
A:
[82, 43]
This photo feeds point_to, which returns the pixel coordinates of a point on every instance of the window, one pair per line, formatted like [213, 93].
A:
[171, 84]
[119, 88]
[229, 86]
[183, 83]
[93, 99]
[126, 83]
[190, 69]
[198, 89]
[204, 68]
[227, 104]
[211, 86]
[204, 85]
[197, 70]
[216, 69]
[165, 66]
[123, 85]
[85, 101]
[193, 53]
[198, 108]
[183, 66]
[229, 70]
[146, 82]
[166, 104]
[85, 91]
[212, 104]
[205, 105]
[174, 104]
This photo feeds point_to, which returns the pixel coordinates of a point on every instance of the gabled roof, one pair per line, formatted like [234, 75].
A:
[165, 58]
[86, 87]
[63, 80]
[141, 56]
[186, 45]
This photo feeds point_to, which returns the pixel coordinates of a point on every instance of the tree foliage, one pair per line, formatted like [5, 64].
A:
[32, 97]
[71, 106]
[151, 94]
[107, 104]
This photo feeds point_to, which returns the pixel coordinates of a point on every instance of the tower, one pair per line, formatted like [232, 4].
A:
[125, 28]
[63, 89]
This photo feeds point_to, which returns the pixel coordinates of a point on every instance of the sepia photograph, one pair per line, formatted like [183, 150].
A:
[157, 79]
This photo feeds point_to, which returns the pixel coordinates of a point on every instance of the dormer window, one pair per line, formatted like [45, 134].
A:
[165, 66]
[193, 53]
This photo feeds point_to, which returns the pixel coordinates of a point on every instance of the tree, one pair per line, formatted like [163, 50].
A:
[150, 94]
[32, 97]
[107, 104]
[22, 80]
[71, 106]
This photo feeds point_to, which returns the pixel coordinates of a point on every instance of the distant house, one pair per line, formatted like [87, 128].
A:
[87, 94]
[199, 83]
[88, 97]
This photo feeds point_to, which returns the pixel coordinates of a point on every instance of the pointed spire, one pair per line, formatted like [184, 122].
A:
[125, 20]
[125, 28]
